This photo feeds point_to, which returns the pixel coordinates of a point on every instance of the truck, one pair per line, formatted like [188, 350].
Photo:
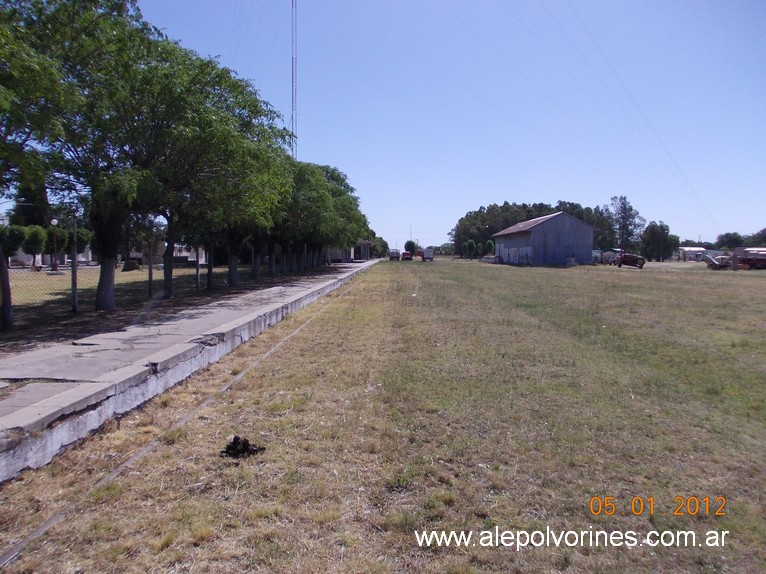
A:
[428, 254]
[393, 254]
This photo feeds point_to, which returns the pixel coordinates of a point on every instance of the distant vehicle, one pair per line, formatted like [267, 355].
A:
[393, 254]
[428, 254]
[630, 259]
[406, 256]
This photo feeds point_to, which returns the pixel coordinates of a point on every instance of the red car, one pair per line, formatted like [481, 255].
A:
[406, 256]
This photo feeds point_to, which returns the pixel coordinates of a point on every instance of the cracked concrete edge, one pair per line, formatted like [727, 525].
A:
[50, 426]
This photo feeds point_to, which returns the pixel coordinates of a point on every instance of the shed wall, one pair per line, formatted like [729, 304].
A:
[551, 242]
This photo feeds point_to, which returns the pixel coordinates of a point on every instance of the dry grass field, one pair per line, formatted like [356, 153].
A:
[454, 396]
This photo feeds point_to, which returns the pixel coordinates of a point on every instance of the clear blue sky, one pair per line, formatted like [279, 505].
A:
[436, 107]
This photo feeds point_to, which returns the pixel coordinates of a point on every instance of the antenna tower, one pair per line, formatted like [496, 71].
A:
[294, 142]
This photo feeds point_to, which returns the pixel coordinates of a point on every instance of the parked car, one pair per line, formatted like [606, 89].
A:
[393, 254]
[428, 254]
[630, 259]
[406, 256]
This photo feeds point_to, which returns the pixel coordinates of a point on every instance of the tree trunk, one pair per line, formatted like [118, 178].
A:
[272, 259]
[167, 260]
[209, 249]
[257, 257]
[235, 247]
[105, 289]
[167, 270]
[233, 269]
[209, 285]
[6, 313]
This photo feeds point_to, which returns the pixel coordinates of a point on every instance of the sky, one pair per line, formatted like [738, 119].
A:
[434, 108]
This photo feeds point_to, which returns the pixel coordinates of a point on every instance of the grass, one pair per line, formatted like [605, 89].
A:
[453, 395]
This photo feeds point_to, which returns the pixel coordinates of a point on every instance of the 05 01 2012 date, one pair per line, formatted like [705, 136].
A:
[640, 505]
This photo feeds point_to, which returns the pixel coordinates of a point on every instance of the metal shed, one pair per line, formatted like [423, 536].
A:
[555, 239]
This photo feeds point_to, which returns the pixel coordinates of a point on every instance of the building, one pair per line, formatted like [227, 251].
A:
[555, 239]
[691, 253]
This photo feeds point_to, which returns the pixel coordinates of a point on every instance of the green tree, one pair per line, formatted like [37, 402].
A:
[214, 152]
[34, 242]
[470, 247]
[730, 240]
[627, 222]
[410, 246]
[757, 239]
[447, 249]
[31, 93]
[93, 43]
[489, 247]
[657, 243]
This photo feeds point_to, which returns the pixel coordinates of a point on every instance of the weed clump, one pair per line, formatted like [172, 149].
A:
[241, 448]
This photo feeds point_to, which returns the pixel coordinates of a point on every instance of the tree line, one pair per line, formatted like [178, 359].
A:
[106, 120]
[616, 225]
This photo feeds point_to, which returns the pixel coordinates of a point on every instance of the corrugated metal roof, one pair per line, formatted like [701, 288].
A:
[527, 225]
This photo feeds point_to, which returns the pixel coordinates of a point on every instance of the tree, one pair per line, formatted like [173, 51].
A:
[657, 243]
[410, 246]
[627, 223]
[470, 248]
[34, 242]
[730, 240]
[489, 248]
[11, 238]
[212, 150]
[447, 249]
[757, 239]
[30, 94]
[93, 43]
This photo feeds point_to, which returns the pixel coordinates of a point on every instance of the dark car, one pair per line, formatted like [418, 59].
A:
[406, 256]
[630, 259]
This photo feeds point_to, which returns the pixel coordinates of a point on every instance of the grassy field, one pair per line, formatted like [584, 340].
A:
[448, 396]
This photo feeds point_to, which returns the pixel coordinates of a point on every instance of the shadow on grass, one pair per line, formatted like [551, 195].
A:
[53, 321]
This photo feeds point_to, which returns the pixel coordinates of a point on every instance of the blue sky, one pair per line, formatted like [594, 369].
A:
[436, 107]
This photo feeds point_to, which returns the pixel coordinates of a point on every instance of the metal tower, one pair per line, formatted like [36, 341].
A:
[294, 122]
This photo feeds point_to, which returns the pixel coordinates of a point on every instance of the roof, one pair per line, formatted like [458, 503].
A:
[527, 225]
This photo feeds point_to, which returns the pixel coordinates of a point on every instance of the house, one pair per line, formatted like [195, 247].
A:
[555, 239]
[691, 253]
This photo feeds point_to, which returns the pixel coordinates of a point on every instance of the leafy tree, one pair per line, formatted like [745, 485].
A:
[11, 238]
[489, 247]
[410, 246]
[628, 224]
[93, 43]
[213, 153]
[34, 242]
[730, 240]
[379, 247]
[470, 248]
[84, 237]
[31, 92]
[447, 249]
[657, 243]
[757, 239]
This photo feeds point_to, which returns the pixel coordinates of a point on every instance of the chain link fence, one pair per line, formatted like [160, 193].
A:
[51, 302]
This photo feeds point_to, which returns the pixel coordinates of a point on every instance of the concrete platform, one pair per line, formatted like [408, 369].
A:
[71, 389]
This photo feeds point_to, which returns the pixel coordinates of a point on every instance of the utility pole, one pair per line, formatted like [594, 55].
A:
[294, 122]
